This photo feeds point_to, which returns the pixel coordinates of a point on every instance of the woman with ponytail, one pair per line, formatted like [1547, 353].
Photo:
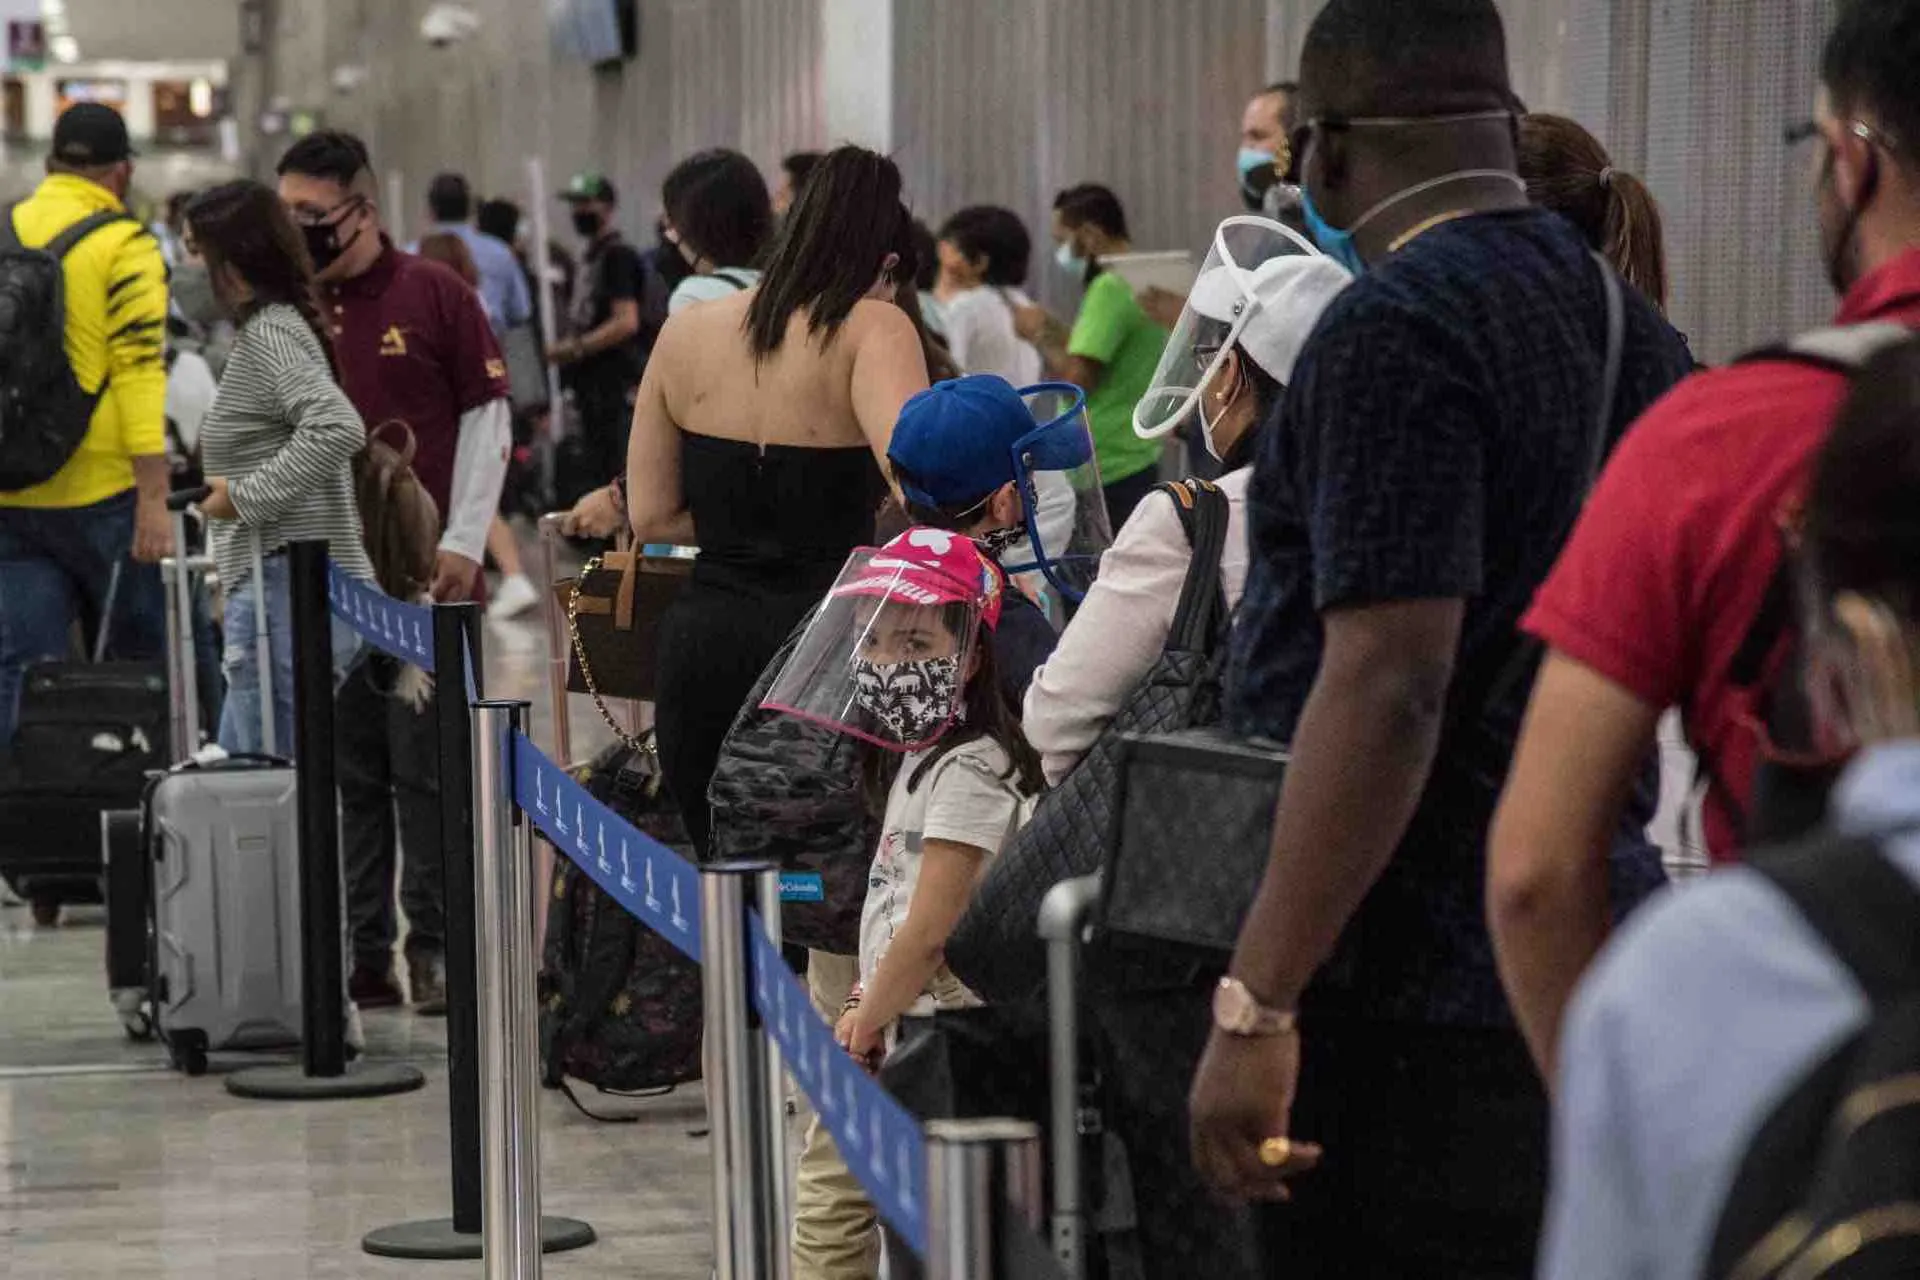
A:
[1568, 171]
[277, 443]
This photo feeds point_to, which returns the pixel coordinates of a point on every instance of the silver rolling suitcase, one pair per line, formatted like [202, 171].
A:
[223, 840]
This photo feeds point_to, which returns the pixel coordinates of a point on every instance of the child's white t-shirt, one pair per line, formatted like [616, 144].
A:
[968, 796]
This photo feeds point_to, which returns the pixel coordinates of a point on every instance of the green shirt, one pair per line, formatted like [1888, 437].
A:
[1112, 329]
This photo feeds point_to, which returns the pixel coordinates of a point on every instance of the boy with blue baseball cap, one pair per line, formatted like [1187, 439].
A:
[1013, 470]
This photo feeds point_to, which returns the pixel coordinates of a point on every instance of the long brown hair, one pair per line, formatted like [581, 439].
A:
[242, 226]
[1568, 171]
[831, 247]
[450, 250]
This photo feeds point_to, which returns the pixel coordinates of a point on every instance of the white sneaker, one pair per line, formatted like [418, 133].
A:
[513, 597]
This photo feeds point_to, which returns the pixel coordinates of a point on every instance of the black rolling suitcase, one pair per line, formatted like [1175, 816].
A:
[87, 735]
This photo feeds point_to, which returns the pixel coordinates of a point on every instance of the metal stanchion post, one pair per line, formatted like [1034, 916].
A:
[512, 1231]
[456, 643]
[979, 1172]
[749, 1173]
[324, 1071]
[776, 1206]
[1063, 919]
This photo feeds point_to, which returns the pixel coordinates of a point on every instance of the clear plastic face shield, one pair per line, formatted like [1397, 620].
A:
[887, 655]
[1223, 302]
[1861, 685]
[1067, 529]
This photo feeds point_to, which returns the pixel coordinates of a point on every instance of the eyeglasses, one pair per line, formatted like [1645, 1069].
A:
[307, 215]
[1801, 131]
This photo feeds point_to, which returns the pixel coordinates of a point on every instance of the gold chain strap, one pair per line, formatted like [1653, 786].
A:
[586, 668]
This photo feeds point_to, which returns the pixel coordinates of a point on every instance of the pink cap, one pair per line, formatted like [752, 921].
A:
[928, 567]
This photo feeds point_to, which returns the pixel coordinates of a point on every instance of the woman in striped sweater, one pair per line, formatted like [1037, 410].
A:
[278, 445]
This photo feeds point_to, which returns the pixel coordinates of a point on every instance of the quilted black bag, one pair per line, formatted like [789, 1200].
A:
[620, 1006]
[792, 791]
[995, 950]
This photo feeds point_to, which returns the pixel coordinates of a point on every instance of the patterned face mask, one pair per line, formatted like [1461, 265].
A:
[913, 699]
[997, 542]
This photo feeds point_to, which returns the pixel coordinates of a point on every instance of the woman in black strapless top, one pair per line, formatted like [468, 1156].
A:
[757, 437]
[774, 526]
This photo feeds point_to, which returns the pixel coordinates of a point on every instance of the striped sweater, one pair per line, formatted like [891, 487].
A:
[284, 436]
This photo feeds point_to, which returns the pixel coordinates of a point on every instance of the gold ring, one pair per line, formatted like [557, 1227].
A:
[1275, 1152]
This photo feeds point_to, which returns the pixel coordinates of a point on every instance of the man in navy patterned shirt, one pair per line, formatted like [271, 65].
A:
[1430, 456]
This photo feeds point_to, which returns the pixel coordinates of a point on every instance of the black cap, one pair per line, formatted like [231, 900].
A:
[588, 186]
[89, 134]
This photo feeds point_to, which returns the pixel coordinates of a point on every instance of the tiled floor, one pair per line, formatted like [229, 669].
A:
[113, 1166]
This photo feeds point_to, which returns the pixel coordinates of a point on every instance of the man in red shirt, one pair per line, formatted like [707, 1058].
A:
[413, 344]
[1654, 596]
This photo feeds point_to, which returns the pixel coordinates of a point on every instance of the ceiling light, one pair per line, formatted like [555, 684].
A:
[53, 8]
[64, 48]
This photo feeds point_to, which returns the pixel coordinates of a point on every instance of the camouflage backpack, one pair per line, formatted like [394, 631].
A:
[619, 1004]
[792, 791]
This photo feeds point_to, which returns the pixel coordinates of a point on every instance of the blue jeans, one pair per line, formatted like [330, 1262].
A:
[240, 719]
[55, 565]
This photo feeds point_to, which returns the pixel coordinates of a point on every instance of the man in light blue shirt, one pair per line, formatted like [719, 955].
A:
[1706, 1010]
[503, 285]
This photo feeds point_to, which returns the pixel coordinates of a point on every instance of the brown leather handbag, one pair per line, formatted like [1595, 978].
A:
[613, 616]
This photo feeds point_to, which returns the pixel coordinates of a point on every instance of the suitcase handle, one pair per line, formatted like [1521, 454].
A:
[181, 499]
[239, 759]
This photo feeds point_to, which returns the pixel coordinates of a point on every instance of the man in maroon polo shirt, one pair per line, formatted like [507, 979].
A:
[1656, 593]
[413, 344]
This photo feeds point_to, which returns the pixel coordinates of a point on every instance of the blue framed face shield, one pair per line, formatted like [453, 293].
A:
[1067, 529]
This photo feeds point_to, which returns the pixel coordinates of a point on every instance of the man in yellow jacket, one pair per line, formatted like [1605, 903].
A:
[61, 539]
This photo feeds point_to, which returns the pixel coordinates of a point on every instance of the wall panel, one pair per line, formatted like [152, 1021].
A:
[1009, 100]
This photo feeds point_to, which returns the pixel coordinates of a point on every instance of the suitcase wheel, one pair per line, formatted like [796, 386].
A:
[138, 1025]
[189, 1053]
[46, 912]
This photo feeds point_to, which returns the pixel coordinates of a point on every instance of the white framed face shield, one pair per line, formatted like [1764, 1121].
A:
[1223, 302]
[1067, 530]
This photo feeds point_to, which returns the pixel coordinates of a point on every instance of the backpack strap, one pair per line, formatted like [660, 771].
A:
[1862, 906]
[1842, 349]
[1203, 510]
[9, 235]
[67, 241]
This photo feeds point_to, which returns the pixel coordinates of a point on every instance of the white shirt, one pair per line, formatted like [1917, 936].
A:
[1122, 625]
[980, 335]
[968, 796]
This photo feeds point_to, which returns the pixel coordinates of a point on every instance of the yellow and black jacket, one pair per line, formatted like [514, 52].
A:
[116, 294]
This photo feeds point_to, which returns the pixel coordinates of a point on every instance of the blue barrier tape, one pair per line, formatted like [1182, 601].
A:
[881, 1142]
[402, 630]
[651, 882]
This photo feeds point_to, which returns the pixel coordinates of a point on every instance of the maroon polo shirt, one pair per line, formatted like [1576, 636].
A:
[413, 343]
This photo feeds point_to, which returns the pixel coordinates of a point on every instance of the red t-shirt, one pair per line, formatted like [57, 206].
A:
[1659, 584]
[413, 343]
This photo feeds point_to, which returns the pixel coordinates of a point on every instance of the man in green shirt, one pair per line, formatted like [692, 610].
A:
[1112, 349]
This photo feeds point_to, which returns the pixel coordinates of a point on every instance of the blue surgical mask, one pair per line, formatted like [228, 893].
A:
[1333, 242]
[1249, 159]
[1070, 262]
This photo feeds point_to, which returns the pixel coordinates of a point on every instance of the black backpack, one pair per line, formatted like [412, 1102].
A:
[1830, 1184]
[44, 412]
[620, 1006]
[1791, 781]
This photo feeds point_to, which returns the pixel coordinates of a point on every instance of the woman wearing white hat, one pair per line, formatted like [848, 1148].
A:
[1257, 298]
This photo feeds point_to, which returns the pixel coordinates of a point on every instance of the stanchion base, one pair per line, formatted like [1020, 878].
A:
[292, 1083]
[435, 1240]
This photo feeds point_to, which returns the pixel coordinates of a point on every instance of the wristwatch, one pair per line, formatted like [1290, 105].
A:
[1236, 1012]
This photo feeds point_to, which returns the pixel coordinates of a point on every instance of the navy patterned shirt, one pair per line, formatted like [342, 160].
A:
[1435, 443]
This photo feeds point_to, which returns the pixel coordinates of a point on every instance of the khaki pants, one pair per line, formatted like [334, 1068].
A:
[834, 1232]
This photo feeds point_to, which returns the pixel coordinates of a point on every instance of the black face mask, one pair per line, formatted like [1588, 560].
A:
[587, 223]
[324, 245]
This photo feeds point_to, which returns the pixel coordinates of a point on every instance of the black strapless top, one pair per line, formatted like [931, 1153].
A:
[777, 516]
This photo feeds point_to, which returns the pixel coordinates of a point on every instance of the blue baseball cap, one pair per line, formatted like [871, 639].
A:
[954, 441]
